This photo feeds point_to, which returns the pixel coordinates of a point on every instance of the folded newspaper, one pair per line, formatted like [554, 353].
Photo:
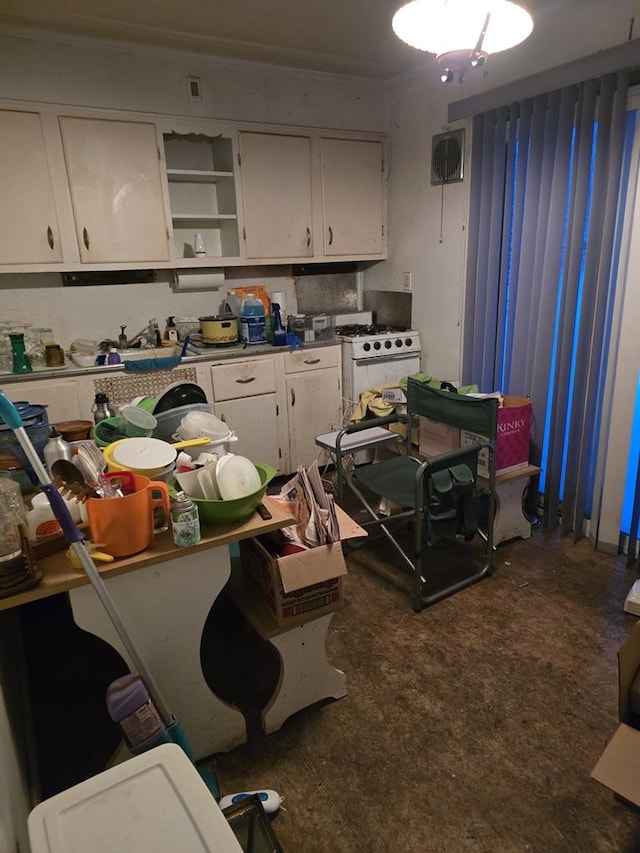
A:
[313, 509]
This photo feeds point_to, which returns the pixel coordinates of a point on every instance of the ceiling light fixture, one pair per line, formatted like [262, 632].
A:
[462, 33]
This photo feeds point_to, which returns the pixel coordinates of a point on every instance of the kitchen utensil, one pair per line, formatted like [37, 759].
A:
[219, 330]
[128, 524]
[231, 511]
[236, 477]
[94, 551]
[179, 394]
[149, 457]
[74, 430]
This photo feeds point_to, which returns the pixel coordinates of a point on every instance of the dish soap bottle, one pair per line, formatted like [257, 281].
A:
[252, 320]
[170, 332]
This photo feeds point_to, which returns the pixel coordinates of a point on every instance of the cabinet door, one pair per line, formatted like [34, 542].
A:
[352, 196]
[276, 188]
[60, 396]
[28, 223]
[116, 190]
[313, 407]
[255, 421]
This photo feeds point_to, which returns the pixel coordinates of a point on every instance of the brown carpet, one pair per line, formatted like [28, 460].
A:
[472, 726]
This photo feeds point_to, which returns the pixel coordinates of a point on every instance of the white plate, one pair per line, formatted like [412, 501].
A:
[236, 477]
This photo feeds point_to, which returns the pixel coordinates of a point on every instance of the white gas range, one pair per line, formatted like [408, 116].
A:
[374, 355]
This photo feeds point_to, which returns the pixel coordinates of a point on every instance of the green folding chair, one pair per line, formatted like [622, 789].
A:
[439, 497]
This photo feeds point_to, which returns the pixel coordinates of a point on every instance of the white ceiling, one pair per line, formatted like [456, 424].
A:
[342, 36]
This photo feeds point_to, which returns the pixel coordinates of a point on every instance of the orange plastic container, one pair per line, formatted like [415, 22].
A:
[127, 525]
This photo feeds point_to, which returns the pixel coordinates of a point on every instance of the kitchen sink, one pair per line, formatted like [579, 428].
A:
[81, 359]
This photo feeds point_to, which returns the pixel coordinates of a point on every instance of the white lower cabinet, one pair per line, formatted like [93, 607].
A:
[60, 396]
[314, 399]
[246, 396]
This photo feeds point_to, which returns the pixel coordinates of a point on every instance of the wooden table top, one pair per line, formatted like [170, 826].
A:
[59, 576]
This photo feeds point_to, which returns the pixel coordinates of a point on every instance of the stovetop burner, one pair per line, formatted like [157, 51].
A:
[359, 330]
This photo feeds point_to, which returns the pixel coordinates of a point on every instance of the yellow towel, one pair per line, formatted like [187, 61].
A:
[373, 402]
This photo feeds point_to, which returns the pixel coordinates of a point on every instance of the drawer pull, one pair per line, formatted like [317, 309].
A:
[293, 397]
[85, 237]
[246, 381]
[308, 237]
[330, 235]
[50, 237]
[312, 361]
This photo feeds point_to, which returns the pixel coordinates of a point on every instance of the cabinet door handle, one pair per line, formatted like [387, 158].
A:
[85, 237]
[308, 237]
[330, 235]
[50, 237]
[246, 381]
[293, 397]
[312, 361]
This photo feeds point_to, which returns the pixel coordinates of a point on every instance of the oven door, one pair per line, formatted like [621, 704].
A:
[368, 373]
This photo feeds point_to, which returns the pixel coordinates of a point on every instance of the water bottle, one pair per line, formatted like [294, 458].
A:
[185, 522]
[101, 409]
[56, 448]
[252, 320]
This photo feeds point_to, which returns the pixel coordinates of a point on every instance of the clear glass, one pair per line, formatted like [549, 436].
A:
[12, 516]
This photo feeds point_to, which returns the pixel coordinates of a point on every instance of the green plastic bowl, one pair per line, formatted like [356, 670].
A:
[238, 509]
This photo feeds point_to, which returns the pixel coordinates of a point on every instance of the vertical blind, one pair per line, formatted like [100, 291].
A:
[545, 198]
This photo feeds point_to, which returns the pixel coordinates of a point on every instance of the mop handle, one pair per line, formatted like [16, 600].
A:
[75, 538]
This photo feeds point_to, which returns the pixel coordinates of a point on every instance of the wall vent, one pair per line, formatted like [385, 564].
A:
[447, 157]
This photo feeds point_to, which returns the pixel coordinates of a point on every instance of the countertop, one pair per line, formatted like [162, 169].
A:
[59, 576]
[212, 354]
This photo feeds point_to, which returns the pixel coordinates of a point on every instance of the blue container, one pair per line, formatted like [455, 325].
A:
[36, 423]
[252, 321]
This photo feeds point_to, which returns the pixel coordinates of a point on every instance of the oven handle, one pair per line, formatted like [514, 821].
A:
[385, 359]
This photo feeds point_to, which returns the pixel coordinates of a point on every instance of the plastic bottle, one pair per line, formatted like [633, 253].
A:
[199, 248]
[279, 331]
[56, 448]
[170, 332]
[252, 320]
[101, 408]
[114, 356]
[130, 706]
[185, 522]
[21, 363]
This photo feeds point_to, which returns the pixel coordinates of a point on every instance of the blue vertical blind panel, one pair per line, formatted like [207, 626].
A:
[539, 282]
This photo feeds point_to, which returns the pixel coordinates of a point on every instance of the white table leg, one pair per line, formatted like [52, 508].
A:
[305, 674]
[164, 608]
[510, 522]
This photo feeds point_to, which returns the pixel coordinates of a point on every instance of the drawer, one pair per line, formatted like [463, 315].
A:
[244, 379]
[311, 359]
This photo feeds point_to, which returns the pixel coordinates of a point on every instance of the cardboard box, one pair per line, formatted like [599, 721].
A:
[435, 437]
[514, 434]
[617, 768]
[299, 587]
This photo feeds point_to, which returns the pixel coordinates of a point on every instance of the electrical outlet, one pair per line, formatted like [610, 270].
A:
[406, 282]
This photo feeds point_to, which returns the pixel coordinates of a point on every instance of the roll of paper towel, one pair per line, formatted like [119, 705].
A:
[208, 279]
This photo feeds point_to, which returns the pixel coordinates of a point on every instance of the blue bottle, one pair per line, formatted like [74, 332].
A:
[279, 331]
[252, 321]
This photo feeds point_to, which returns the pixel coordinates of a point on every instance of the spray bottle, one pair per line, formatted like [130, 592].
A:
[130, 706]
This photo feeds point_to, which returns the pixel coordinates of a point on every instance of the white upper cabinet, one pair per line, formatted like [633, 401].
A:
[352, 196]
[312, 195]
[115, 182]
[276, 182]
[29, 231]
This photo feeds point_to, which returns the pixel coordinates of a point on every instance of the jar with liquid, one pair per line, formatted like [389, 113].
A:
[13, 517]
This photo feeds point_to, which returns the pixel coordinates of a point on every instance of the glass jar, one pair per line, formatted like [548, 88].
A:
[13, 516]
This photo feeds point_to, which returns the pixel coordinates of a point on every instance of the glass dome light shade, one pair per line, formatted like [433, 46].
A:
[442, 26]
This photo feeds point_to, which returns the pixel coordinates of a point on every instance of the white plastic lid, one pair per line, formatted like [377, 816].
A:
[156, 802]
